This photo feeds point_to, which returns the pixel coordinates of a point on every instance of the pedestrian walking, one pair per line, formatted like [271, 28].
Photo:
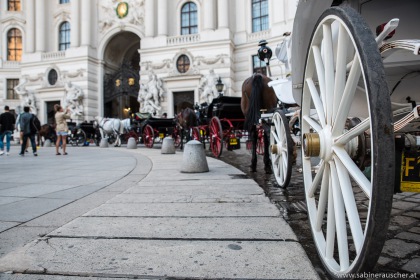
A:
[28, 133]
[61, 128]
[7, 123]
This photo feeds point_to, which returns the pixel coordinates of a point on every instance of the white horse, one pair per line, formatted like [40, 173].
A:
[110, 126]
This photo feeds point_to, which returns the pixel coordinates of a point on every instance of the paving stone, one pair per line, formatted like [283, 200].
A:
[399, 249]
[384, 261]
[403, 205]
[413, 214]
[409, 236]
[413, 266]
[415, 230]
[403, 221]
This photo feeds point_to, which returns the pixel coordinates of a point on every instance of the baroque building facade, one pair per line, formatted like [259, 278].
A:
[112, 58]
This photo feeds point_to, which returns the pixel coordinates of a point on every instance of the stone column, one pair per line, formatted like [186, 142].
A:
[100, 104]
[163, 17]
[208, 14]
[86, 23]
[40, 30]
[30, 18]
[222, 14]
[74, 24]
[149, 19]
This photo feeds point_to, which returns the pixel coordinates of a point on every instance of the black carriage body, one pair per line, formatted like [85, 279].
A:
[163, 126]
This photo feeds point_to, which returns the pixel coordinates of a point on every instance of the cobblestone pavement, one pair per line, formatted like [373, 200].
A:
[401, 253]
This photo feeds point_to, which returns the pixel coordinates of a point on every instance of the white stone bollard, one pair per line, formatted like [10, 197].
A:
[168, 146]
[47, 143]
[104, 143]
[194, 159]
[131, 143]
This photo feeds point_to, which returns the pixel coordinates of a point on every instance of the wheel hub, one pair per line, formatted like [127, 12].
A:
[319, 144]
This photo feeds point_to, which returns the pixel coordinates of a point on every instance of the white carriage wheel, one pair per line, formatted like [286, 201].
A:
[348, 208]
[281, 149]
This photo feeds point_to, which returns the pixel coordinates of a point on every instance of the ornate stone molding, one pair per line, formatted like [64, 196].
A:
[210, 61]
[77, 73]
[108, 17]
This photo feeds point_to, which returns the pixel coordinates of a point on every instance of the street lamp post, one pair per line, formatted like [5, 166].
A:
[220, 86]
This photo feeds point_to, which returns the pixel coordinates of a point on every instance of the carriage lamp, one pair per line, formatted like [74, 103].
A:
[220, 86]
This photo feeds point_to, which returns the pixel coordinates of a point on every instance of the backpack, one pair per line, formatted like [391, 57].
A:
[34, 124]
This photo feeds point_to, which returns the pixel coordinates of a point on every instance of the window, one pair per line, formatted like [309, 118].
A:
[258, 65]
[11, 84]
[183, 64]
[64, 36]
[189, 19]
[259, 15]
[13, 5]
[14, 45]
[64, 1]
[52, 77]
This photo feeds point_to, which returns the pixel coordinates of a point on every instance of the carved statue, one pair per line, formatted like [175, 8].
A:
[73, 99]
[208, 87]
[108, 14]
[27, 97]
[150, 95]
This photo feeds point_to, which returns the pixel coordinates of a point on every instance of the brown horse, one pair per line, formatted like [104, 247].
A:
[186, 119]
[257, 96]
[47, 132]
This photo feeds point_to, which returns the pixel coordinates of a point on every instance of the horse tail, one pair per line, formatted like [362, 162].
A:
[255, 101]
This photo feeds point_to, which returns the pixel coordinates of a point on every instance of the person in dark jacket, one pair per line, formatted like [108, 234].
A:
[25, 126]
[7, 125]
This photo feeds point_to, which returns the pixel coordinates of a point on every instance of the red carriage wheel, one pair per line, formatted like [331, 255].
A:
[148, 136]
[260, 141]
[133, 134]
[216, 137]
[196, 134]
[176, 135]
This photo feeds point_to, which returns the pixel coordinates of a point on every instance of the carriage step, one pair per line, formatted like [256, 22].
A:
[409, 45]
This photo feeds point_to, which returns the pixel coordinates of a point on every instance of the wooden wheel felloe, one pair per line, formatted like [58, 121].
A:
[216, 137]
[196, 134]
[148, 136]
[281, 148]
[348, 206]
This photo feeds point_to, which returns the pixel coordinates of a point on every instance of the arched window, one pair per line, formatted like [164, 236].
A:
[259, 15]
[13, 5]
[14, 45]
[64, 1]
[183, 64]
[189, 19]
[64, 36]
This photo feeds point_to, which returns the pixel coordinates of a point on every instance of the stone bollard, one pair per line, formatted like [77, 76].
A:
[131, 143]
[168, 146]
[47, 143]
[194, 159]
[104, 143]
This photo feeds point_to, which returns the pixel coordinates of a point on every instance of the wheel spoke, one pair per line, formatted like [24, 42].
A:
[328, 53]
[354, 171]
[323, 195]
[340, 218]
[340, 74]
[316, 180]
[347, 98]
[354, 132]
[330, 236]
[317, 101]
[350, 204]
[321, 73]
[312, 123]
[276, 138]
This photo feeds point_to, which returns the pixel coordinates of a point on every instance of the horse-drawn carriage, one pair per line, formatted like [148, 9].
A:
[151, 129]
[360, 140]
[221, 124]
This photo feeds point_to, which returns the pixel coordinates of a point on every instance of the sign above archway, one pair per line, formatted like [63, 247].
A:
[122, 9]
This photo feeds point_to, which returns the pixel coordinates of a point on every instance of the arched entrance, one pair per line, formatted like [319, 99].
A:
[121, 78]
